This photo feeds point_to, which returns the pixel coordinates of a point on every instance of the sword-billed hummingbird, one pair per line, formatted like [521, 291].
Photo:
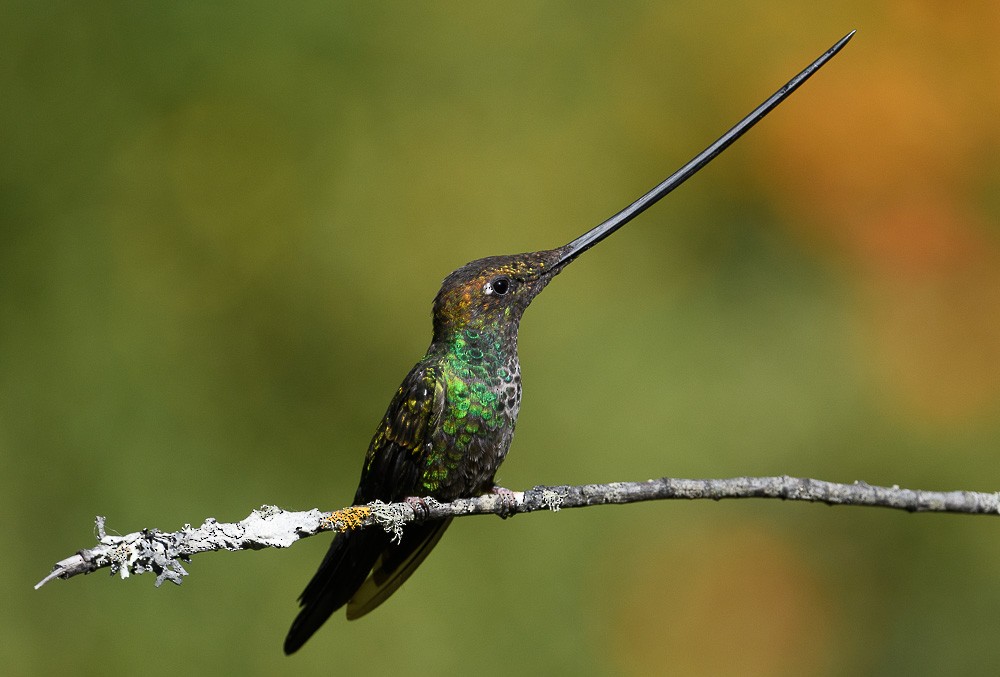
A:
[450, 424]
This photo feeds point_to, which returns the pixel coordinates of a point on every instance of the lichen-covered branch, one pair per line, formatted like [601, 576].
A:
[151, 550]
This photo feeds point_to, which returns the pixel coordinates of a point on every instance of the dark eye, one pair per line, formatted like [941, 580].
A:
[500, 285]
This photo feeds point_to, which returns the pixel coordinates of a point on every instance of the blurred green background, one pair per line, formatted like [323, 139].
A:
[222, 229]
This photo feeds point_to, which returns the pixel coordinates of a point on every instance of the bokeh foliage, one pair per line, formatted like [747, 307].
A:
[221, 228]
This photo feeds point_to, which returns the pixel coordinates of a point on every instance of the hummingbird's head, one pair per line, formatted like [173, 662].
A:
[492, 292]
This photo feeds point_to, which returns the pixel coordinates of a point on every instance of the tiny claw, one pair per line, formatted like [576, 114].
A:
[507, 500]
[421, 511]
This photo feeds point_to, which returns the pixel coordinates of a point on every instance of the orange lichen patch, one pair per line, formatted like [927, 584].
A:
[348, 518]
[734, 601]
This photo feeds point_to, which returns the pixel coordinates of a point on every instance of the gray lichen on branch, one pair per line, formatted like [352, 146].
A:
[152, 550]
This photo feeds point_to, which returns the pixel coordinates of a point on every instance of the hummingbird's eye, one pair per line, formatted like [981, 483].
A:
[498, 285]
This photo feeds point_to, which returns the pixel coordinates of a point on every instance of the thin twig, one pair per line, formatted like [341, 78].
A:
[272, 527]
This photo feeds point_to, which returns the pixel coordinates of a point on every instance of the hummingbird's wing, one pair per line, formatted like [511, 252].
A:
[405, 430]
[394, 464]
[392, 471]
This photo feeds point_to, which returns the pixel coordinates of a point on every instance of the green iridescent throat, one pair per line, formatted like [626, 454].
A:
[474, 366]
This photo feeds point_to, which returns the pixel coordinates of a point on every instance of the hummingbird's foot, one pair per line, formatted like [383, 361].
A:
[419, 506]
[507, 500]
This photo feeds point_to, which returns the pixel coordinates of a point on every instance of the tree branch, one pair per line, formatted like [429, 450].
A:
[272, 527]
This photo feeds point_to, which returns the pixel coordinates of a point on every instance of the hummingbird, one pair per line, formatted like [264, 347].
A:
[450, 424]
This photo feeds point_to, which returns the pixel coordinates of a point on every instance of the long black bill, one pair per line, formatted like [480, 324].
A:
[598, 233]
